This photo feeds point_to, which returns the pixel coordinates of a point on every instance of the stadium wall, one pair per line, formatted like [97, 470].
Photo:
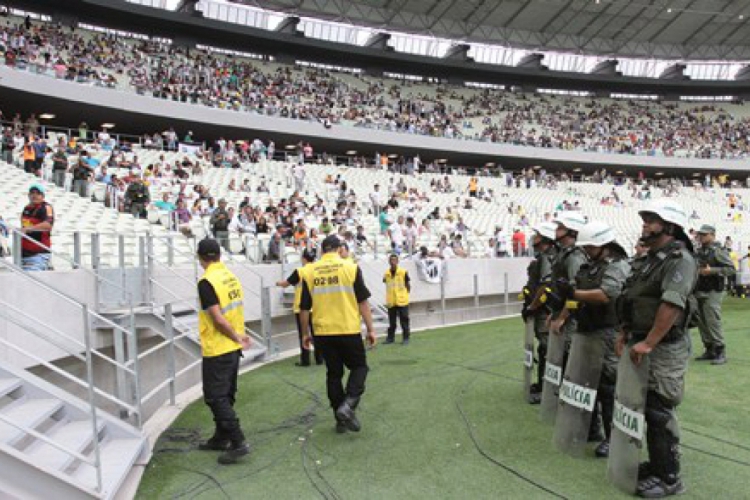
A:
[23, 315]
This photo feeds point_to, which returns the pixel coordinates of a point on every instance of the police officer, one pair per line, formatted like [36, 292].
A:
[336, 289]
[639, 257]
[714, 265]
[565, 267]
[295, 279]
[539, 274]
[397, 289]
[222, 334]
[598, 285]
[654, 312]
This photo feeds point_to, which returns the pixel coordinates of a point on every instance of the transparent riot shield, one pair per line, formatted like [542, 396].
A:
[528, 358]
[578, 394]
[553, 373]
[628, 423]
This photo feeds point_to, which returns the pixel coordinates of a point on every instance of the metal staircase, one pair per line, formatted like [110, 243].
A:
[53, 444]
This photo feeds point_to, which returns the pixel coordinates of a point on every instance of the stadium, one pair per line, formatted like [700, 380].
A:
[533, 213]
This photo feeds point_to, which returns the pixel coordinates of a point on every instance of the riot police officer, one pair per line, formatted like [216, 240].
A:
[654, 312]
[539, 274]
[598, 285]
[714, 266]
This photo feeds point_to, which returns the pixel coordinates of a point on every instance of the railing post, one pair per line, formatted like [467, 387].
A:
[169, 330]
[442, 297]
[95, 257]
[76, 250]
[476, 294]
[265, 315]
[17, 249]
[170, 250]
[91, 394]
[121, 262]
[133, 355]
[505, 284]
[150, 266]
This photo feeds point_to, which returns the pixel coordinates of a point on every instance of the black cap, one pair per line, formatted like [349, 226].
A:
[209, 248]
[331, 243]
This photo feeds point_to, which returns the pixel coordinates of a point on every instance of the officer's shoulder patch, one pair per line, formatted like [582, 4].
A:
[677, 277]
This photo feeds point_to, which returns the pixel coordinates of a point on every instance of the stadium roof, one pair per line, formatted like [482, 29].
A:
[665, 29]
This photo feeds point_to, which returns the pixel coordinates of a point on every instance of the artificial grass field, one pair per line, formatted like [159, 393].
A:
[423, 405]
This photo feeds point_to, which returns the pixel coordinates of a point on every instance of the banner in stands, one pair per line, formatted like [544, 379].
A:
[189, 148]
[431, 269]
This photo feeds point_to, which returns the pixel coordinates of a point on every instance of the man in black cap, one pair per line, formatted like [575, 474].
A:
[221, 324]
[335, 287]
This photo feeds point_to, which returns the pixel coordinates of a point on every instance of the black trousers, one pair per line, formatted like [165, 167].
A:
[402, 314]
[341, 351]
[304, 354]
[219, 389]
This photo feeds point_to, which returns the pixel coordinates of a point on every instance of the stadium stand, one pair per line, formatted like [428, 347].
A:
[158, 69]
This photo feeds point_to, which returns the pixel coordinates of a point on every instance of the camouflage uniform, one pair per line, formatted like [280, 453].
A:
[539, 273]
[710, 293]
[668, 275]
[607, 275]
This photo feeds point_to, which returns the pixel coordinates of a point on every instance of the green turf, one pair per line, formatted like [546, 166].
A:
[415, 442]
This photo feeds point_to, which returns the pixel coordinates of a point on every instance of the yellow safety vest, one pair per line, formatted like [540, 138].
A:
[396, 293]
[229, 291]
[330, 282]
[301, 271]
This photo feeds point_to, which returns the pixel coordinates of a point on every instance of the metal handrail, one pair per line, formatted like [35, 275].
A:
[67, 375]
[20, 272]
[18, 235]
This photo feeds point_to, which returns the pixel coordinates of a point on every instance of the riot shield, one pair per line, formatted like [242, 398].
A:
[578, 394]
[628, 429]
[553, 372]
[528, 358]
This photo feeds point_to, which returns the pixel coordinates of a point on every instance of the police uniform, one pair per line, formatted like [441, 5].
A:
[608, 275]
[539, 273]
[710, 293]
[668, 275]
[295, 279]
[221, 355]
[565, 267]
[335, 288]
[397, 284]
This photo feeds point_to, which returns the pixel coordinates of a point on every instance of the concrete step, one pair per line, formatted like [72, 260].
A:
[117, 458]
[75, 435]
[8, 385]
[29, 413]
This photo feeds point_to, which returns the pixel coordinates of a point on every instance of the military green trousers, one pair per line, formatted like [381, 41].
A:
[708, 318]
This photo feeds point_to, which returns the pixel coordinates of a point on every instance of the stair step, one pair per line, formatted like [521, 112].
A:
[75, 435]
[116, 456]
[8, 385]
[29, 413]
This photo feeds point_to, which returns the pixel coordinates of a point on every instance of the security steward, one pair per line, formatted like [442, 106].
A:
[336, 289]
[539, 274]
[397, 290]
[222, 335]
[598, 285]
[714, 266]
[654, 313]
[295, 279]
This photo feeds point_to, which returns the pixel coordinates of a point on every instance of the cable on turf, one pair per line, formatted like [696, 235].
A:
[490, 458]
[714, 438]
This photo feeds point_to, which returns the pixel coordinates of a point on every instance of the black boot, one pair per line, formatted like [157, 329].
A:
[708, 355]
[340, 424]
[234, 453]
[607, 403]
[663, 451]
[345, 413]
[595, 430]
[215, 444]
[720, 356]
